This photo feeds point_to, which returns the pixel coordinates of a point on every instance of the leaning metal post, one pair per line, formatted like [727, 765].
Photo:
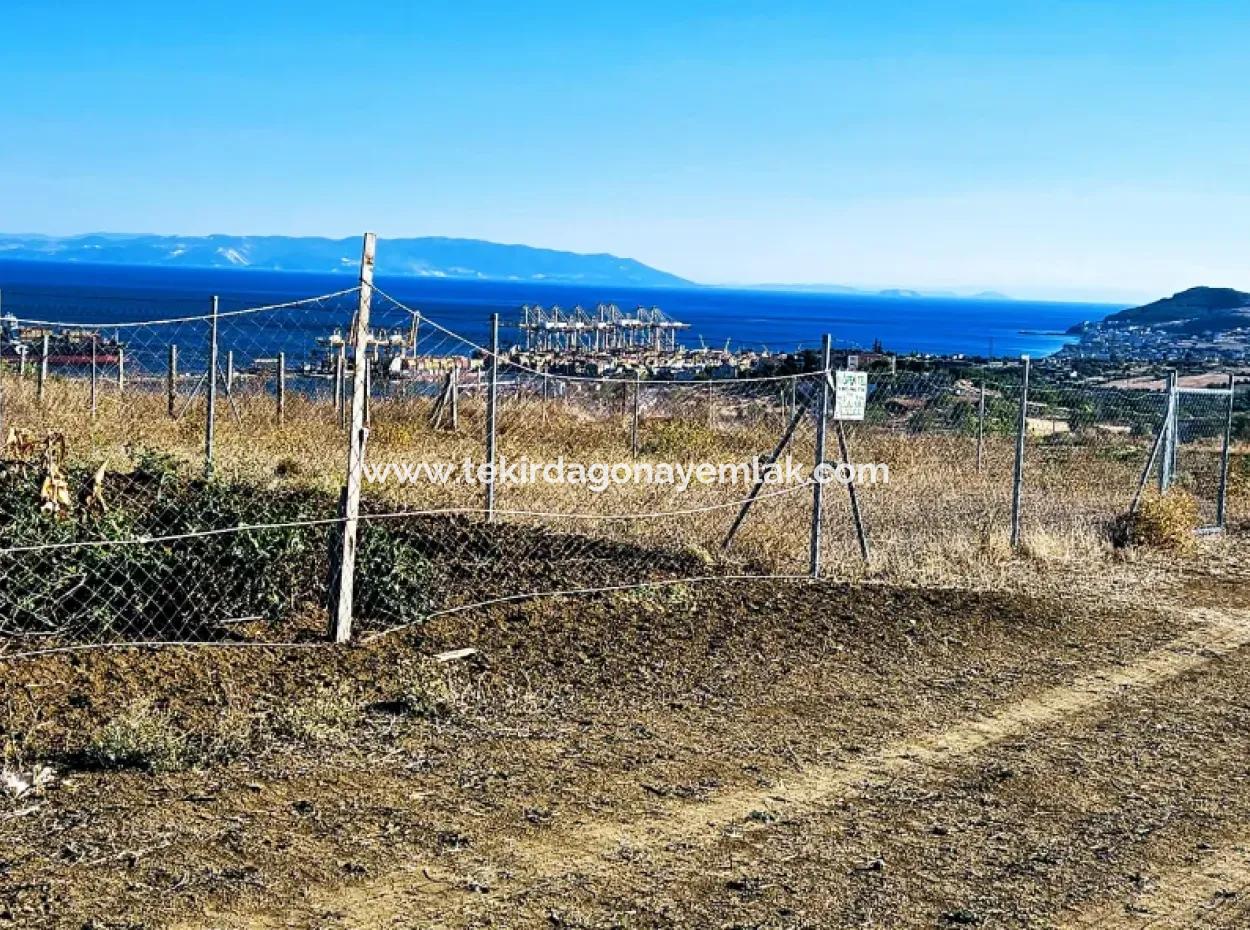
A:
[210, 418]
[349, 512]
[1022, 430]
[1155, 448]
[1221, 502]
[822, 420]
[491, 401]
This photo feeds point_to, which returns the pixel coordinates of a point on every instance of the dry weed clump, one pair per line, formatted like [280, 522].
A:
[1166, 521]
[328, 717]
[147, 738]
[432, 691]
[141, 737]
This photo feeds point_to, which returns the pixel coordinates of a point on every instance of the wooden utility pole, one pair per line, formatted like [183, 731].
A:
[341, 607]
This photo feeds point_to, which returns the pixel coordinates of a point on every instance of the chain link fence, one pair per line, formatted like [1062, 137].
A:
[182, 480]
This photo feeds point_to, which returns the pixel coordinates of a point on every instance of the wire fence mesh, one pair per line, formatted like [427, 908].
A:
[125, 518]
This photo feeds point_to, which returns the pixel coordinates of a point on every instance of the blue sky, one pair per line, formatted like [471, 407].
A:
[1065, 150]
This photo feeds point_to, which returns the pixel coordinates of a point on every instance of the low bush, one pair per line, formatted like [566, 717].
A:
[1166, 521]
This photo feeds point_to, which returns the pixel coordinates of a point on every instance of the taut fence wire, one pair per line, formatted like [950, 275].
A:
[151, 496]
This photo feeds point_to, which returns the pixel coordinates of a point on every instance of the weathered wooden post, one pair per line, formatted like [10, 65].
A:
[343, 590]
[1022, 430]
[43, 368]
[210, 418]
[368, 391]
[1221, 501]
[281, 388]
[818, 488]
[490, 415]
[981, 429]
[171, 381]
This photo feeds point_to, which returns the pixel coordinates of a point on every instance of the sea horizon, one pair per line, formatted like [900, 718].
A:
[747, 317]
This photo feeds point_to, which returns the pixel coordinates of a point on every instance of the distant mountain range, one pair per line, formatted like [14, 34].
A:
[1195, 310]
[431, 257]
[427, 257]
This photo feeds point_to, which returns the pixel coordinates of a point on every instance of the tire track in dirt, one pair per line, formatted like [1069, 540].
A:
[585, 848]
[1213, 893]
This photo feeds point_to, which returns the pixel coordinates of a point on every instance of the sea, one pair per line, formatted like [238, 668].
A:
[75, 293]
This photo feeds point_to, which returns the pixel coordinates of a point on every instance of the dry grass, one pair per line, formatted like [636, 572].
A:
[1167, 521]
[938, 521]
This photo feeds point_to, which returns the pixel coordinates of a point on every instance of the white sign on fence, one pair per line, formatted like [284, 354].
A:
[851, 396]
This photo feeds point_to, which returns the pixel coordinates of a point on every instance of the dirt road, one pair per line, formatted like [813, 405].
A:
[771, 756]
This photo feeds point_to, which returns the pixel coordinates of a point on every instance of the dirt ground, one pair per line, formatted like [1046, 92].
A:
[738, 754]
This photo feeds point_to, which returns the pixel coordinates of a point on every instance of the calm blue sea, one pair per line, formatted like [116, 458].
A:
[79, 293]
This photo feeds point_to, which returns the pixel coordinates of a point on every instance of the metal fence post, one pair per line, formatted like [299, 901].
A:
[343, 588]
[981, 430]
[94, 375]
[818, 488]
[340, 376]
[171, 383]
[490, 415]
[121, 370]
[633, 434]
[43, 368]
[1167, 465]
[210, 417]
[1221, 501]
[454, 387]
[1017, 481]
[281, 388]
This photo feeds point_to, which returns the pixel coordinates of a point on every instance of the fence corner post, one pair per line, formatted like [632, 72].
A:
[1221, 501]
[1022, 429]
[349, 511]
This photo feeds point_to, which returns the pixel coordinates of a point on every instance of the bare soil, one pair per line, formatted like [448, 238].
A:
[737, 754]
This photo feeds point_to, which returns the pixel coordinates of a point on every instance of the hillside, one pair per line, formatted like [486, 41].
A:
[1197, 309]
[435, 257]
